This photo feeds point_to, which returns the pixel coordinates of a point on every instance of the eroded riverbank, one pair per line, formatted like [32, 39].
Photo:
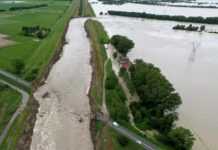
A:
[63, 120]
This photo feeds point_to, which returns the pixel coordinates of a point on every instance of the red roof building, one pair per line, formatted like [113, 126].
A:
[124, 61]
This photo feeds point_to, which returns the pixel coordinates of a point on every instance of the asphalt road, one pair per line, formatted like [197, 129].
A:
[132, 136]
[11, 76]
[25, 98]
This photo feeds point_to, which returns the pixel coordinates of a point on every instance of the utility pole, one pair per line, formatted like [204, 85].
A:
[195, 46]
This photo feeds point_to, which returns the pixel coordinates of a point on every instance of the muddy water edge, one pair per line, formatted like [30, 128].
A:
[63, 120]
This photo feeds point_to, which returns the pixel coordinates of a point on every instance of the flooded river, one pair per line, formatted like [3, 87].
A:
[192, 72]
[163, 10]
[63, 120]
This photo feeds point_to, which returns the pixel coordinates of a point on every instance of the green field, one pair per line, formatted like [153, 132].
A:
[35, 54]
[9, 102]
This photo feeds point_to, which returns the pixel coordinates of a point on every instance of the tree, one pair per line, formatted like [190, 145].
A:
[202, 28]
[18, 66]
[115, 55]
[180, 138]
[156, 94]
[122, 44]
[123, 141]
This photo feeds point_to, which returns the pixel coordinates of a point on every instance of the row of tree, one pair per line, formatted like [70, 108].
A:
[2, 10]
[189, 28]
[207, 20]
[27, 7]
[35, 31]
[115, 97]
[157, 106]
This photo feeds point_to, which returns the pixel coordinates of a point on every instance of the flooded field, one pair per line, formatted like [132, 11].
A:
[163, 10]
[192, 72]
[63, 120]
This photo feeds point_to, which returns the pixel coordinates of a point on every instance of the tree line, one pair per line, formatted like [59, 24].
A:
[2, 10]
[27, 7]
[156, 108]
[207, 20]
[35, 31]
[115, 97]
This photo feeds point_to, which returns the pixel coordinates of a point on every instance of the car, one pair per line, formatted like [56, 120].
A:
[115, 124]
[139, 142]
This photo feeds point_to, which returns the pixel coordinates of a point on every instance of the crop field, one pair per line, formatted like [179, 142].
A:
[33, 52]
[9, 102]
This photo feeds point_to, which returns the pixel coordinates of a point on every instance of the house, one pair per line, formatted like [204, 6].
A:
[124, 61]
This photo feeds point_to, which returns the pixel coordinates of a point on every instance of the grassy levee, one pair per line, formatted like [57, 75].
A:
[87, 11]
[98, 37]
[9, 102]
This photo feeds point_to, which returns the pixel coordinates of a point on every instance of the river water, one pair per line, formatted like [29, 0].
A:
[58, 125]
[192, 72]
[162, 10]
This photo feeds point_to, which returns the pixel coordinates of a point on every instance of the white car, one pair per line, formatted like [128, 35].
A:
[115, 124]
[139, 142]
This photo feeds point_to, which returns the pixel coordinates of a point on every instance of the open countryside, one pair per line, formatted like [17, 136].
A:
[108, 75]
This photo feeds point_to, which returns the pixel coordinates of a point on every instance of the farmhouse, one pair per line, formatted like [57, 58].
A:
[124, 61]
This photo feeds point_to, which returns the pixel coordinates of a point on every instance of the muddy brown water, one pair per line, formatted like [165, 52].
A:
[193, 74]
[58, 125]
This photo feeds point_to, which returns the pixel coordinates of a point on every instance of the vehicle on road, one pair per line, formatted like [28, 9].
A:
[139, 142]
[115, 124]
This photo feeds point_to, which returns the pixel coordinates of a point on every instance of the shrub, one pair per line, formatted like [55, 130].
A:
[123, 141]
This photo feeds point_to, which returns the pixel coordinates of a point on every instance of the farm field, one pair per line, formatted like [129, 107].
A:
[35, 53]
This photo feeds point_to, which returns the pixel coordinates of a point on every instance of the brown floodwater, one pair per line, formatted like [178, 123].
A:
[192, 72]
[63, 120]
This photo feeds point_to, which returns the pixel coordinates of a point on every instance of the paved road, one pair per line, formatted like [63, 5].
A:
[25, 98]
[132, 136]
[11, 76]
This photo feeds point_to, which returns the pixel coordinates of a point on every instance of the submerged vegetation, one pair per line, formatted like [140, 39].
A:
[189, 27]
[207, 20]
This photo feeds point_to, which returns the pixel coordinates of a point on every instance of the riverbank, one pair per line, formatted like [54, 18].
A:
[96, 33]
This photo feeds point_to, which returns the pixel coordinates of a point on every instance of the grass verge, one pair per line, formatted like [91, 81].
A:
[9, 102]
